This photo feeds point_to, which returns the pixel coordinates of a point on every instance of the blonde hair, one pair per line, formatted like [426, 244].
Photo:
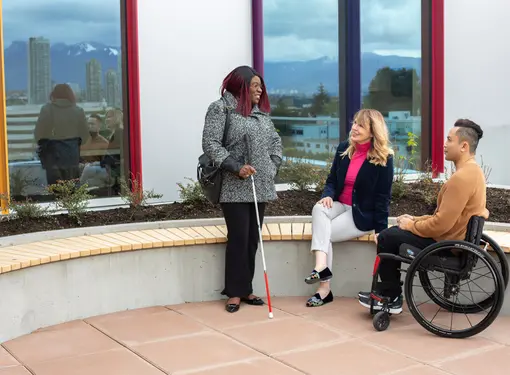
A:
[118, 117]
[380, 148]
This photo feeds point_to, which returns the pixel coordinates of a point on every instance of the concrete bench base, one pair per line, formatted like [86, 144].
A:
[58, 292]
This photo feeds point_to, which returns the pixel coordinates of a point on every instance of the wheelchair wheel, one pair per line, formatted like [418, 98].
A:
[475, 307]
[446, 317]
[381, 321]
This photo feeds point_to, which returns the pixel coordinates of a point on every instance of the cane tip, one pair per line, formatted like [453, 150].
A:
[270, 315]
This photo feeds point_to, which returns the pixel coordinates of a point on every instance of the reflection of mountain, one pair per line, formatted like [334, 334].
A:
[305, 76]
[67, 62]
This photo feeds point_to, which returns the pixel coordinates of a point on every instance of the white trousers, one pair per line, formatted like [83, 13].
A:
[330, 225]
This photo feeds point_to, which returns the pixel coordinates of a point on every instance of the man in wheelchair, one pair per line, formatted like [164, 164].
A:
[461, 197]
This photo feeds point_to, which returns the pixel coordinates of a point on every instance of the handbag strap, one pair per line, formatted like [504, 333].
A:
[227, 124]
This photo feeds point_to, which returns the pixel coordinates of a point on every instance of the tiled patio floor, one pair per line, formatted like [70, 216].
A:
[201, 338]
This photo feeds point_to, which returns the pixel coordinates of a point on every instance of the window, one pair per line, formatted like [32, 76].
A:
[64, 95]
[391, 74]
[301, 73]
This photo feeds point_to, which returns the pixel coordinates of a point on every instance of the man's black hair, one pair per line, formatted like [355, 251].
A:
[469, 132]
[96, 116]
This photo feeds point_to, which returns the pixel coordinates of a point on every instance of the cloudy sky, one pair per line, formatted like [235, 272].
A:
[67, 21]
[294, 29]
[302, 30]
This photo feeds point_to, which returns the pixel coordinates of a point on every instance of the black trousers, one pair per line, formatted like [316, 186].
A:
[53, 174]
[389, 241]
[242, 244]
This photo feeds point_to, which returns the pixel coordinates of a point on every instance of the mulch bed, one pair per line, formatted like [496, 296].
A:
[290, 203]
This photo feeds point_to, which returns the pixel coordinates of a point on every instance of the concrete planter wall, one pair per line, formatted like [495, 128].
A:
[59, 292]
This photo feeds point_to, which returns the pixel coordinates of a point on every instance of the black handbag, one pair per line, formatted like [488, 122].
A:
[209, 175]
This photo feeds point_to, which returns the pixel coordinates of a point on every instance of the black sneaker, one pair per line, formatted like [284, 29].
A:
[365, 295]
[394, 307]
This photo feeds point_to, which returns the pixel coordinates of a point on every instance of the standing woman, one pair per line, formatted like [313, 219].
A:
[244, 94]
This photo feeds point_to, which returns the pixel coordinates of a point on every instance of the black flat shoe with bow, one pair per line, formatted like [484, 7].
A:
[232, 307]
[254, 301]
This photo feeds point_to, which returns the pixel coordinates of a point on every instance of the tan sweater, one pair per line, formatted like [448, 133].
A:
[460, 198]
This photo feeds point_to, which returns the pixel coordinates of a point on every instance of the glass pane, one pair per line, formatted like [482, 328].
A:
[391, 71]
[64, 95]
[301, 74]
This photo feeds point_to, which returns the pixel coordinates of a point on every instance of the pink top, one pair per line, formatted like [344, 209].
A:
[360, 155]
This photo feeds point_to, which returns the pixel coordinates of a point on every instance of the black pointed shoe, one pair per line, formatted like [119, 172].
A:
[316, 300]
[256, 301]
[232, 307]
[315, 276]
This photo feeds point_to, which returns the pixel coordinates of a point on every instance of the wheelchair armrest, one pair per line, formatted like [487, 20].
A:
[408, 251]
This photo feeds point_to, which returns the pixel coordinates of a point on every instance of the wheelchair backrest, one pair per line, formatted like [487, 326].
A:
[475, 230]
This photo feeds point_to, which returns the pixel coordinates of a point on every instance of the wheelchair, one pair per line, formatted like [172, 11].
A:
[458, 263]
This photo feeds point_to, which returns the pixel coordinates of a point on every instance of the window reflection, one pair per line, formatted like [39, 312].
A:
[301, 73]
[64, 93]
[391, 71]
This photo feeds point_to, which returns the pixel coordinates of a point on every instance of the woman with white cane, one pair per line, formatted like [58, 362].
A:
[245, 105]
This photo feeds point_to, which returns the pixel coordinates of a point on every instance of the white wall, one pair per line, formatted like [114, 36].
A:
[477, 76]
[186, 49]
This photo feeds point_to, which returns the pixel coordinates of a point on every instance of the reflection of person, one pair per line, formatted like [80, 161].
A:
[245, 93]
[93, 150]
[460, 198]
[112, 161]
[356, 197]
[59, 131]
[92, 153]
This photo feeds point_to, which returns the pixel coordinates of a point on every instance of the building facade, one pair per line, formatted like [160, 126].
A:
[421, 63]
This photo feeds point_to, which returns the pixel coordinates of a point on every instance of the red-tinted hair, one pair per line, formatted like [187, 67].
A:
[237, 82]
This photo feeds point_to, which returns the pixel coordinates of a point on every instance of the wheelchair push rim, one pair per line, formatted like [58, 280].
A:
[428, 259]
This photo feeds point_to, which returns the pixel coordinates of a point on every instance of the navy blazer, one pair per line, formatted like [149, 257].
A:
[371, 193]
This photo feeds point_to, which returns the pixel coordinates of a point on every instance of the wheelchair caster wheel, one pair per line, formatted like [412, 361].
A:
[381, 321]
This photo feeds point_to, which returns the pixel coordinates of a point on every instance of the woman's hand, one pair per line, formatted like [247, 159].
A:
[246, 171]
[326, 202]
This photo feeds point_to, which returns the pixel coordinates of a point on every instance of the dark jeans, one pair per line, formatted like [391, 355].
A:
[389, 241]
[53, 174]
[242, 244]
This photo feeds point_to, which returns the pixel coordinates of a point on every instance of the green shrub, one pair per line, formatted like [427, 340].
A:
[191, 193]
[301, 175]
[24, 209]
[72, 197]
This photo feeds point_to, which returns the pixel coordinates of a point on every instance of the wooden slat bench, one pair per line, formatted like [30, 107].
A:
[32, 254]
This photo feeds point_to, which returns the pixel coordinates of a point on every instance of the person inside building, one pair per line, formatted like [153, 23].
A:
[244, 93]
[94, 149]
[356, 197]
[113, 158]
[92, 153]
[461, 197]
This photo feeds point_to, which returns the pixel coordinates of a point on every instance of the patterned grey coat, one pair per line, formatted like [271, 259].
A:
[265, 142]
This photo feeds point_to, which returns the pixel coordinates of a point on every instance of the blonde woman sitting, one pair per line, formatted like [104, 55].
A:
[356, 197]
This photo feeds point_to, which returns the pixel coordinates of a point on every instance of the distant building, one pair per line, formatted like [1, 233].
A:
[94, 81]
[39, 70]
[112, 88]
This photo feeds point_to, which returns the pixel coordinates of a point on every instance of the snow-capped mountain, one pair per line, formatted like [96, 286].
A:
[68, 62]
